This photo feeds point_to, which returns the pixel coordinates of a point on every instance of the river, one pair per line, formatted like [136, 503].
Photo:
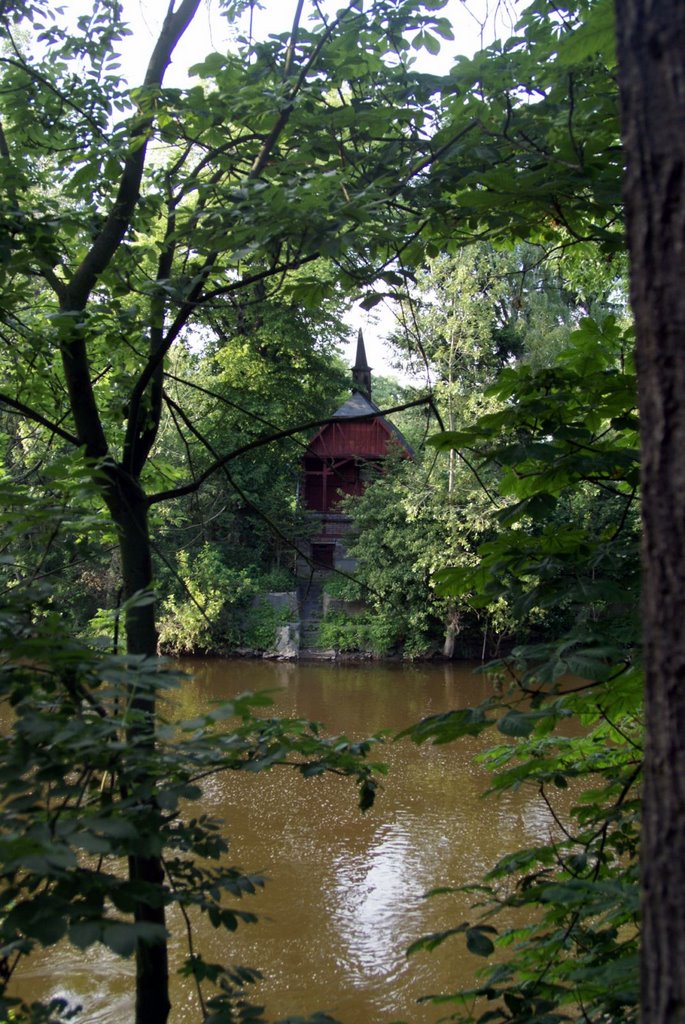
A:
[345, 891]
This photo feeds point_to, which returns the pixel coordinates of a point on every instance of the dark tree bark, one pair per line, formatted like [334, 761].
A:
[129, 511]
[123, 493]
[651, 51]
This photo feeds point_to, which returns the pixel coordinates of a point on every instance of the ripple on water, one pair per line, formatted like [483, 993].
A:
[345, 892]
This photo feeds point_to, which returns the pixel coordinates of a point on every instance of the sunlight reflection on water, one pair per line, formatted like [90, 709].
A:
[345, 892]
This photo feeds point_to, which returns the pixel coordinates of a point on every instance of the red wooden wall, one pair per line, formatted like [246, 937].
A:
[367, 439]
[336, 459]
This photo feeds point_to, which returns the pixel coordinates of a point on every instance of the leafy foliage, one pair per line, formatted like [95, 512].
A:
[314, 163]
[478, 321]
[538, 157]
[210, 616]
[565, 443]
[82, 791]
[567, 947]
[138, 219]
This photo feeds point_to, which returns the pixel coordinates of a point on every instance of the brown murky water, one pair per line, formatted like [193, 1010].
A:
[345, 892]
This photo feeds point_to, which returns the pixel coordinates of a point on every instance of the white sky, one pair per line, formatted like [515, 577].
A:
[474, 22]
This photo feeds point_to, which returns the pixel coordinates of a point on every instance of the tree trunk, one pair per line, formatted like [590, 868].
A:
[651, 50]
[152, 960]
[128, 508]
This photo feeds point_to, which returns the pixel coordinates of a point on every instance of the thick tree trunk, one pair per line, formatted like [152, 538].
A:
[651, 50]
[123, 494]
[128, 508]
[152, 960]
[129, 511]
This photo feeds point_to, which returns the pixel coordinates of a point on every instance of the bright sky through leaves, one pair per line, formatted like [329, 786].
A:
[475, 23]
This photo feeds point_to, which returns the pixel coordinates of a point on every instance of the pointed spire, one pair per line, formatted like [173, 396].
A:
[361, 371]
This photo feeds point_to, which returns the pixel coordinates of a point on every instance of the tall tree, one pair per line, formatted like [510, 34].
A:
[651, 51]
[127, 212]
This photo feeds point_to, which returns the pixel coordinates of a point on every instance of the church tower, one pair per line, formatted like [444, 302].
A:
[361, 371]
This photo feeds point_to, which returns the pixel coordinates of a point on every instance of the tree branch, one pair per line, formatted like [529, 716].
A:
[42, 80]
[259, 442]
[141, 430]
[188, 308]
[275, 529]
[262, 157]
[37, 417]
[119, 218]
[225, 401]
[77, 291]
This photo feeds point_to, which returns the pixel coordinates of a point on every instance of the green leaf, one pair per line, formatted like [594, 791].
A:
[85, 933]
[478, 942]
[122, 937]
[517, 723]
[451, 725]
[596, 35]
[435, 939]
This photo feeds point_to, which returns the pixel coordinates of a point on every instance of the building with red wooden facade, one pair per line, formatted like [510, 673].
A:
[341, 458]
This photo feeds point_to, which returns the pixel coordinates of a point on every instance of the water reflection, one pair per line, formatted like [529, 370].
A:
[376, 900]
[345, 892]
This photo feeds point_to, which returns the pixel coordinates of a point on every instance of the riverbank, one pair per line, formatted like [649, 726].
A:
[309, 624]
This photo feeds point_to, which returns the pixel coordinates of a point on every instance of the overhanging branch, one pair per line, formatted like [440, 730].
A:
[33, 414]
[195, 299]
[264, 439]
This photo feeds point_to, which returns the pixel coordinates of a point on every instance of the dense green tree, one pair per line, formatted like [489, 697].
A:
[127, 213]
[539, 157]
[471, 317]
[562, 549]
[476, 311]
[562, 439]
[406, 526]
[248, 513]
[130, 217]
[650, 68]
[556, 163]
